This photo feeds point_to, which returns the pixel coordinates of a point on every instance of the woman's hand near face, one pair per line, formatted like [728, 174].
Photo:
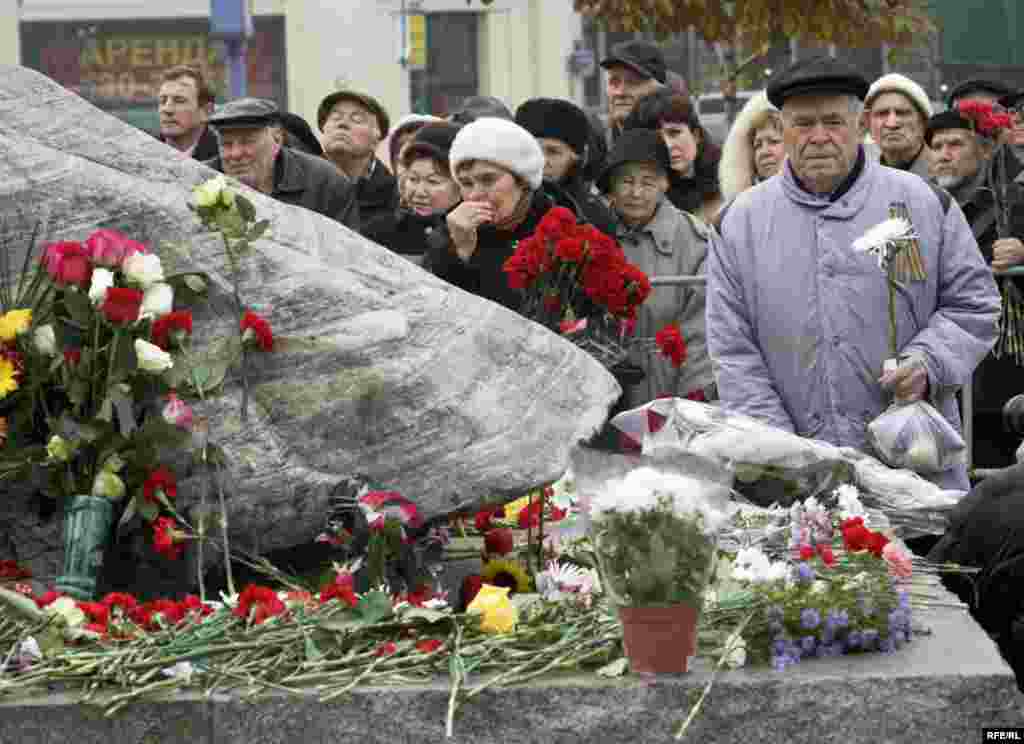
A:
[463, 222]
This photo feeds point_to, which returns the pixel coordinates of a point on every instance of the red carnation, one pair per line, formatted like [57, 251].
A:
[258, 603]
[72, 357]
[165, 325]
[110, 248]
[119, 599]
[697, 395]
[429, 645]
[552, 302]
[499, 541]
[342, 588]
[48, 599]
[557, 222]
[165, 539]
[260, 330]
[67, 263]
[806, 552]
[386, 649]
[161, 479]
[11, 571]
[98, 613]
[876, 543]
[571, 250]
[121, 304]
[670, 342]
[192, 605]
[827, 556]
[172, 612]
[482, 520]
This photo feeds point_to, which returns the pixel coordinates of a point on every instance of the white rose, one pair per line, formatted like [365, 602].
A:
[143, 269]
[66, 608]
[151, 357]
[102, 280]
[45, 340]
[157, 300]
[736, 655]
[209, 192]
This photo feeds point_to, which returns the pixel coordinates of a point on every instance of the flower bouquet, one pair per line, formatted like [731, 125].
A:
[576, 281]
[654, 525]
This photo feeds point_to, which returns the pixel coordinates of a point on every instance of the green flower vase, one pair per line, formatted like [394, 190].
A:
[87, 523]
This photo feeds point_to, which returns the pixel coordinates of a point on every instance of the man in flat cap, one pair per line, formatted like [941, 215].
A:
[897, 110]
[251, 150]
[797, 320]
[977, 89]
[635, 68]
[353, 124]
[961, 163]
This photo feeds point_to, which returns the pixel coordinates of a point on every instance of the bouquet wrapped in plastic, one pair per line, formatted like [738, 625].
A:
[916, 437]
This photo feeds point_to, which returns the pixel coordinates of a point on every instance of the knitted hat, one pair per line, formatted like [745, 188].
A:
[432, 141]
[554, 118]
[503, 143]
[635, 146]
[896, 83]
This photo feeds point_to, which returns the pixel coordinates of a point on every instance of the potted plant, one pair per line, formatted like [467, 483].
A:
[654, 533]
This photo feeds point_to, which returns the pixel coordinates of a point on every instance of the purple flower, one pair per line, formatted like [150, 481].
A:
[905, 602]
[780, 662]
[809, 618]
[805, 573]
[807, 644]
[828, 634]
[774, 612]
[854, 640]
[837, 618]
[886, 646]
[780, 647]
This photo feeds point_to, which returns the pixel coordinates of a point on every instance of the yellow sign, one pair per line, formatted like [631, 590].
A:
[416, 41]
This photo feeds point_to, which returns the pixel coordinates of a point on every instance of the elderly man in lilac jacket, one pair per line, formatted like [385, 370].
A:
[797, 321]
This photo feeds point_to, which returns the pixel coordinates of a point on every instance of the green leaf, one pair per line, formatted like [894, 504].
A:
[424, 613]
[258, 230]
[106, 412]
[126, 361]
[126, 517]
[147, 509]
[189, 289]
[615, 669]
[373, 607]
[199, 377]
[336, 625]
[312, 652]
[79, 307]
[245, 208]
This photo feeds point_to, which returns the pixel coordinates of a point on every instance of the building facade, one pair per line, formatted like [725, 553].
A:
[424, 56]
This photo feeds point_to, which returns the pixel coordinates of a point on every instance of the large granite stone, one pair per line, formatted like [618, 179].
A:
[942, 687]
[429, 390]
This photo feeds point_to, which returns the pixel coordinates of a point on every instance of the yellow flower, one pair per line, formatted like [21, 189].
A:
[508, 574]
[14, 323]
[499, 614]
[513, 508]
[7, 382]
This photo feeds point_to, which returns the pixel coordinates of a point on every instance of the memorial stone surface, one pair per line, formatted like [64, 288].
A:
[392, 373]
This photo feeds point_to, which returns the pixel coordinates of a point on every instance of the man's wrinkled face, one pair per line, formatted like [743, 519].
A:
[897, 127]
[178, 105]
[821, 137]
[350, 129]
[956, 157]
[248, 153]
[625, 86]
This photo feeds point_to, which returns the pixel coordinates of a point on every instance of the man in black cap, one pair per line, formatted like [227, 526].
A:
[989, 91]
[353, 124]
[563, 133]
[961, 163]
[635, 68]
[475, 107]
[797, 318]
[249, 139]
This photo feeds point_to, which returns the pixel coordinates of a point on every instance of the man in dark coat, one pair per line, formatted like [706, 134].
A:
[961, 164]
[634, 69]
[353, 124]
[251, 151]
[185, 102]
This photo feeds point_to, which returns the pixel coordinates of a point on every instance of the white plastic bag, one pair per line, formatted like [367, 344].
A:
[918, 438]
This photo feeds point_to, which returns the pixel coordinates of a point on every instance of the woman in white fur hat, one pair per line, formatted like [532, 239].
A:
[753, 151]
[498, 167]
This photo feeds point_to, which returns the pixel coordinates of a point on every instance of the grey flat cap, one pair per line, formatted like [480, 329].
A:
[245, 112]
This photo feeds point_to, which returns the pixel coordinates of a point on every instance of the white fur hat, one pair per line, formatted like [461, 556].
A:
[503, 143]
[896, 83]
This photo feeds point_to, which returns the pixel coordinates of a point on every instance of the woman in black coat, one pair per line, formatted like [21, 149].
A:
[428, 193]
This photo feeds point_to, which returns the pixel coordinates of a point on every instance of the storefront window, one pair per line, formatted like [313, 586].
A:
[451, 73]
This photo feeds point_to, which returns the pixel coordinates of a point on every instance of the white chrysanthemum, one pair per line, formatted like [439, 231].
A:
[848, 498]
[754, 566]
[647, 489]
[558, 580]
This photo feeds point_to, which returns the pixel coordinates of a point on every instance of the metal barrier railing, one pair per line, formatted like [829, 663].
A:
[967, 392]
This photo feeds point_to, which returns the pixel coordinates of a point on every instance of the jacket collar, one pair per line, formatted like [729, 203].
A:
[661, 228]
[851, 190]
[289, 172]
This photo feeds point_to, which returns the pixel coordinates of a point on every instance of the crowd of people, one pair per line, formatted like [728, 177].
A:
[791, 326]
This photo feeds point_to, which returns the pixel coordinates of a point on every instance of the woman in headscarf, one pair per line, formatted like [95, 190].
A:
[563, 132]
[662, 241]
[428, 192]
[499, 168]
[753, 151]
[693, 178]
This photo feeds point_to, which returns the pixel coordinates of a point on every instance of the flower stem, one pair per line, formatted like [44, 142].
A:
[893, 340]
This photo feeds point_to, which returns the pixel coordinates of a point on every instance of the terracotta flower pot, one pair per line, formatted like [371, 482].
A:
[659, 640]
[87, 524]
